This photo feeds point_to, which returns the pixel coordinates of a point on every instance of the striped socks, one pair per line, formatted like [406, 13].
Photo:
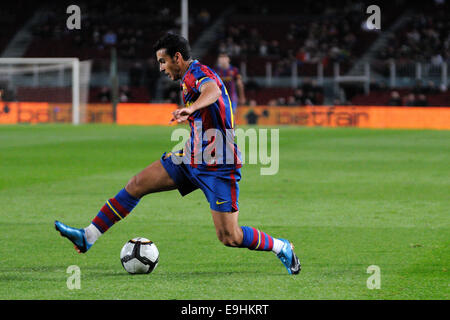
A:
[255, 239]
[115, 209]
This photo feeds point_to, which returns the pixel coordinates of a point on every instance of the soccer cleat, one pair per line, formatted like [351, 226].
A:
[77, 236]
[288, 257]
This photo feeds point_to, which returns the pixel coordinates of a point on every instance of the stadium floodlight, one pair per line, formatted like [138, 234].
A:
[62, 80]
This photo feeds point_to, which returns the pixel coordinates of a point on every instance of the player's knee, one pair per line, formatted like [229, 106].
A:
[134, 188]
[228, 238]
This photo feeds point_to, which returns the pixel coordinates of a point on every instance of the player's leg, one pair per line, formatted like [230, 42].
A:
[232, 235]
[227, 228]
[223, 195]
[152, 179]
[221, 188]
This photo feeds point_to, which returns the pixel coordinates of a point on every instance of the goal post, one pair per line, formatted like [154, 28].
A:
[63, 80]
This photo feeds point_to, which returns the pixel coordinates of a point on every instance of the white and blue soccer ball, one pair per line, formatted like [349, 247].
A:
[139, 255]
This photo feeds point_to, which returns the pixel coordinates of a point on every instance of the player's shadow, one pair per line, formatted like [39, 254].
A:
[177, 275]
[223, 273]
[183, 275]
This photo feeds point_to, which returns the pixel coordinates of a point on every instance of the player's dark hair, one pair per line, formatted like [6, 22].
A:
[173, 43]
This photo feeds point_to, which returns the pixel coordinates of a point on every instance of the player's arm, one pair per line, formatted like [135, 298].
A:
[240, 87]
[209, 93]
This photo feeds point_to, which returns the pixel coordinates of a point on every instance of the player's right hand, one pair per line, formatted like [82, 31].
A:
[181, 115]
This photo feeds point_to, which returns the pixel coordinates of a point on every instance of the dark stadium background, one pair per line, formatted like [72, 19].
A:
[298, 43]
[361, 121]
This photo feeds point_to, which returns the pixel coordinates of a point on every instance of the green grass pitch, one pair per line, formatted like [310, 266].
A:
[347, 198]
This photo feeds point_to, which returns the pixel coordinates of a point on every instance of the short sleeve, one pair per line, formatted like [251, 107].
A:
[202, 81]
[202, 77]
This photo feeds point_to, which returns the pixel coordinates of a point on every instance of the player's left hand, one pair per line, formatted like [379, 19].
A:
[181, 115]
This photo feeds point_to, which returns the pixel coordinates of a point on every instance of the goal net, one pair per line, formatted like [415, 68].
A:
[61, 84]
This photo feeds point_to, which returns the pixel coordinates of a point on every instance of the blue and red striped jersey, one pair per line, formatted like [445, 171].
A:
[229, 77]
[218, 117]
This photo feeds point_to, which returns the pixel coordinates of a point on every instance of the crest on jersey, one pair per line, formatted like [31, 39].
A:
[185, 91]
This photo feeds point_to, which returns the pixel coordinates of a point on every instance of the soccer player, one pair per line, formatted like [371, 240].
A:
[207, 104]
[232, 80]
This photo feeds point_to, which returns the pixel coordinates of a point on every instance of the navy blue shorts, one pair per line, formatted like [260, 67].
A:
[219, 186]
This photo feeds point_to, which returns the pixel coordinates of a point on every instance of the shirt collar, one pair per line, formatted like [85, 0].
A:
[190, 67]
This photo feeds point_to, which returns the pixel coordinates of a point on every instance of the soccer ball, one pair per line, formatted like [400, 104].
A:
[139, 255]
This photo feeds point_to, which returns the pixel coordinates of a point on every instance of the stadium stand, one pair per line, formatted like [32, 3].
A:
[301, 34]
[323, 32]
[131, 27]
[13, 16]
[424, 38]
